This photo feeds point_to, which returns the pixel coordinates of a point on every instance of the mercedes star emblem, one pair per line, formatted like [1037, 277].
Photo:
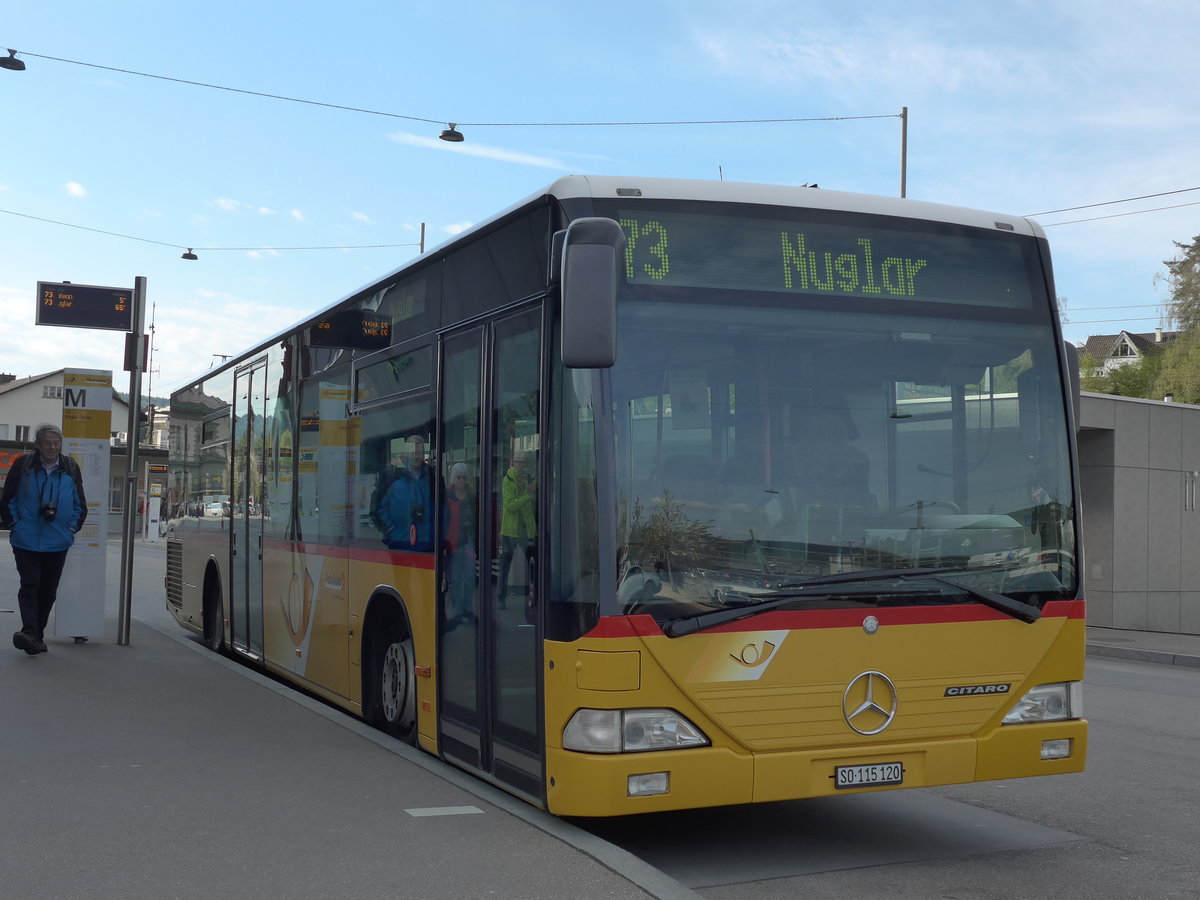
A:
[869, 703]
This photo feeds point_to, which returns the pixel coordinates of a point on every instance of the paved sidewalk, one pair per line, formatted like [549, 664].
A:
[1147, 646]
[160, 769]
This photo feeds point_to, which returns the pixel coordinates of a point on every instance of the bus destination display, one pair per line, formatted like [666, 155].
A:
[84, 306]
[353, 329]
[944, 265]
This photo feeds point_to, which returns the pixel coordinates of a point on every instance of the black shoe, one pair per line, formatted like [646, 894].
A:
[23, 641]
[39, 646]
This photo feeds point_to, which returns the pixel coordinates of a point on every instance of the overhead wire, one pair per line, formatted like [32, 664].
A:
[1051, 212]
[431, 121]
[376, 112]
[132, 237]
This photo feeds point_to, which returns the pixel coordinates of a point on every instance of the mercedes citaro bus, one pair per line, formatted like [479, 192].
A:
[765, 493]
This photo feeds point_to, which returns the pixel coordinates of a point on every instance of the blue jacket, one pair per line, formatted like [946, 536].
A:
[405, 513]
[27, 489]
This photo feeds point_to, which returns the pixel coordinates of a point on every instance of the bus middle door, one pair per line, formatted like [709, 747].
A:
[246, 508]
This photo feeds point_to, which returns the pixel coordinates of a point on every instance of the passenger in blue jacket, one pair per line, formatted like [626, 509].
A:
[43, 506]
[405, 511]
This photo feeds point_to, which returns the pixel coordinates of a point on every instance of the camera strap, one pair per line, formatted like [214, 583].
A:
[45, 482]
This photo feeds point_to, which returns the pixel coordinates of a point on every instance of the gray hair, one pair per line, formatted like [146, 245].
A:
[44, 429]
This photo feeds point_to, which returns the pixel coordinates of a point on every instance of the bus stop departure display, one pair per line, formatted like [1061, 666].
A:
[849, 258]
[84, 306]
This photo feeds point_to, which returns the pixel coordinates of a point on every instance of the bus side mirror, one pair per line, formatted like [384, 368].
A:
[591, 260]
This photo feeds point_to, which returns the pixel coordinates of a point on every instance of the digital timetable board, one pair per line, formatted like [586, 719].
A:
[84, 306]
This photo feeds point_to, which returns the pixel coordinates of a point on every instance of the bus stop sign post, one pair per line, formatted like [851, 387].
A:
[112, 309]
[135, 362]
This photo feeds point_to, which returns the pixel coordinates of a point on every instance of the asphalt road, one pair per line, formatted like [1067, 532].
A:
[1128, 827]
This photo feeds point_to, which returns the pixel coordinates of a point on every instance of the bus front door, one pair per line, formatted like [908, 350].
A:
[490, 443]
[246, 508]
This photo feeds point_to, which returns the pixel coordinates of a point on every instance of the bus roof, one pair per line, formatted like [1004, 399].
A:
[609, 186]
[571, 187]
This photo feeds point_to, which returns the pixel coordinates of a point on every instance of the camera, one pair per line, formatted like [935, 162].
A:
[49, 511]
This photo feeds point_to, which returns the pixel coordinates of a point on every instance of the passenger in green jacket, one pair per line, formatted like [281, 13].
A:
[518, 523]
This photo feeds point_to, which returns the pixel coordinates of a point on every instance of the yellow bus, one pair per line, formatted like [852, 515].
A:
[652, 494]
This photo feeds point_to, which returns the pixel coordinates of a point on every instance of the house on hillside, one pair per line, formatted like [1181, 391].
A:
[1111, 351]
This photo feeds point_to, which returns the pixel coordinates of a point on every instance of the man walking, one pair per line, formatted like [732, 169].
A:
[43, 506]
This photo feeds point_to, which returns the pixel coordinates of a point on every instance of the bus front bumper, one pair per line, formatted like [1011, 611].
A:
[581, 784]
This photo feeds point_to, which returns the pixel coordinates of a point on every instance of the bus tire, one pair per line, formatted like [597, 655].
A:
[214, 618]
[390, 690]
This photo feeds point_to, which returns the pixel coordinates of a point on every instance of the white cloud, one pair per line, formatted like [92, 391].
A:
[226, 204]
[266, 211]
[298, 216]
[361, 217]
[75, 189]
[457, 228]
[470, 148]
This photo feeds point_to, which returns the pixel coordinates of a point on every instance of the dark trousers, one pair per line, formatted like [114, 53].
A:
[40, 574]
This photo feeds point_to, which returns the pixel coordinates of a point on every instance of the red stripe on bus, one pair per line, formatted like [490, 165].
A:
[403, 558]
[809, 619]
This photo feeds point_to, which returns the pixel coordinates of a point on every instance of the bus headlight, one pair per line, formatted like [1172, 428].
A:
[630, 731]
[1048, 703]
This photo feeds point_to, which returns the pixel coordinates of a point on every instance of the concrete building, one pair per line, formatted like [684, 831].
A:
[1140, 468]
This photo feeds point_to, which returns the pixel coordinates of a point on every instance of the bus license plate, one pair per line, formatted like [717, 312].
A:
[874, 775]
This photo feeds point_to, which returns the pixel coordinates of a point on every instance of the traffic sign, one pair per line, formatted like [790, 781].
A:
[84, 306]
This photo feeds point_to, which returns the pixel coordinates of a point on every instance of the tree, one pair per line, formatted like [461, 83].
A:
[1183, 278]
[1180, 366]
[1180, 369]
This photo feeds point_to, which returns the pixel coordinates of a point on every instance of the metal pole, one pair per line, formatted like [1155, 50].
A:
[422, 238]
[904, 151]
[129, 518]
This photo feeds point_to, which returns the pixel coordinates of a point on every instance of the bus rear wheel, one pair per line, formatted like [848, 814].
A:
[391, 690]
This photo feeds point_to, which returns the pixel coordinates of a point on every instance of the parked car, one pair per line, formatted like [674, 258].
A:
[214, 509]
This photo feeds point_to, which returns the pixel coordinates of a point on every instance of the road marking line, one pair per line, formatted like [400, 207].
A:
[445, 811]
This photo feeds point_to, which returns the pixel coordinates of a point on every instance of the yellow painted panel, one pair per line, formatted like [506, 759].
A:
[584, 784]
[600, 671]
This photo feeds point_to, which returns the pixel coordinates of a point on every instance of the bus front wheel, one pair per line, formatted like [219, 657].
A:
[391, 691]
[214, 619]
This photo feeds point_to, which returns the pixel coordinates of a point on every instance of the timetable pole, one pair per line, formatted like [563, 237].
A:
[134, 362]
[903, 151]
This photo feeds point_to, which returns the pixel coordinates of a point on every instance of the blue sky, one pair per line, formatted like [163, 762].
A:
[1022, 107]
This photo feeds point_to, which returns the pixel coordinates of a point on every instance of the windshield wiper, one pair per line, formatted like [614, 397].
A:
[1007, 605]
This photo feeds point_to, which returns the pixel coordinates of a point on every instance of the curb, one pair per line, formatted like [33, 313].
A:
[1162, 657]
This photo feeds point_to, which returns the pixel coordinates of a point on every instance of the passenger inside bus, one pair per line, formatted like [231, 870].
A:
[459, 525]
[405, 511]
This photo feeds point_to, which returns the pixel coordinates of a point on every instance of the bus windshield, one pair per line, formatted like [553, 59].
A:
[766, 437]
